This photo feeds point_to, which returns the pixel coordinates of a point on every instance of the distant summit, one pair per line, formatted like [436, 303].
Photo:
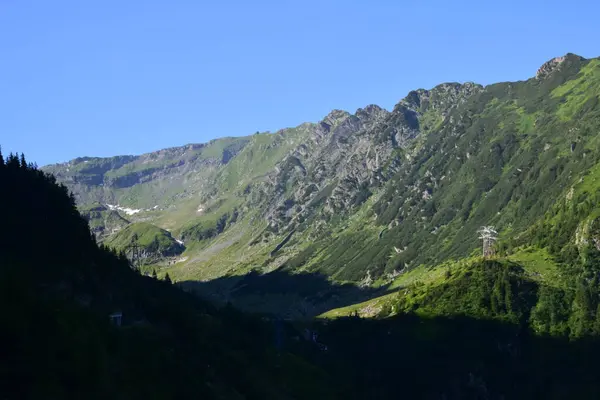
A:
[552, 65]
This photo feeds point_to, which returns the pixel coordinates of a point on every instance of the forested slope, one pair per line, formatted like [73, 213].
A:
[58, 290]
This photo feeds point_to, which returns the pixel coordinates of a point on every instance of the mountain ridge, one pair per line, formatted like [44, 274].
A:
[553, 62]
[341, 259]
[369, 194]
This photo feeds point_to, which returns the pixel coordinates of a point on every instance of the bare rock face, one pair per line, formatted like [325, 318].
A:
[548, 67]
[555, 64]
[334, 118]
[442, 98]
[348, 156]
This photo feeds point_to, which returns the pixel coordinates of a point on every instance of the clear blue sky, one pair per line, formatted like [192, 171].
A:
[108, 77]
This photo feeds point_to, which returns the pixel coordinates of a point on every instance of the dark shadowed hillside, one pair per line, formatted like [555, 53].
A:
[58, 289]
[478, 336]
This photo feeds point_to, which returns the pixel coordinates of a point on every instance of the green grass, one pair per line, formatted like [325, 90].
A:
[415, 285]
[576, 92]
[259, 157]
[367, 308]
[526, 122]
[171, 157]
[430, 120]
[590, 182]
[540, 265]
[149, 237]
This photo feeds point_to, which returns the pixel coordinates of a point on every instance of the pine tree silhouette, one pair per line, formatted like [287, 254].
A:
[23, 161]
[13, 161]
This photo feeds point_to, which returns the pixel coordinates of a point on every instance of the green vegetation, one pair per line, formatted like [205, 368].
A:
[259, 157]
[408, 188]
[369, 215]
[580, 94]
[147, 237]
[145, 181]
[208, 227]
[521, 156]
[484, 289]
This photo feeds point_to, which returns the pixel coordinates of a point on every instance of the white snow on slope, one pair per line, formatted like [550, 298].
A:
[128, 211]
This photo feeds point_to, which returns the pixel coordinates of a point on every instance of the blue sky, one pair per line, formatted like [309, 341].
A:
[101, 78]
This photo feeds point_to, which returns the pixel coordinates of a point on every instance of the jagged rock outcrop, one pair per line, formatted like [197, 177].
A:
[441, 98]
[555, 64]
[548, 67]
[350, 155]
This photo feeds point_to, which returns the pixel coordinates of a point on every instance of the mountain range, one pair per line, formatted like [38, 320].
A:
[448, 248]
[360, 198]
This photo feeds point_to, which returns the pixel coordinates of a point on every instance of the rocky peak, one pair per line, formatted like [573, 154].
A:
[413, 98]
[335, 117]
[442, 97]
[554, 64]
[371, 112]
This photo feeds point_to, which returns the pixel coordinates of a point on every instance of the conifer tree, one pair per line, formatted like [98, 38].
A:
[155, 247]
[23, 162]
[154, 274]
[581, 311]
[1, 158]
[168, 278]
[13, 161]
[592, 258]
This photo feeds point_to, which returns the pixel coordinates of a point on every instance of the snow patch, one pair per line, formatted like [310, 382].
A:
[179, 241]
[128, 211]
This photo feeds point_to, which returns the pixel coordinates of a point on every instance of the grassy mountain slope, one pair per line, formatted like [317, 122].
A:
[150, 240]
[372, 214]
[485, 165]
[142, 182]
[369, 196]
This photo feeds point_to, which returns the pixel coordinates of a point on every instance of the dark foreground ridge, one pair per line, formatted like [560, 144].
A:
[58, 290]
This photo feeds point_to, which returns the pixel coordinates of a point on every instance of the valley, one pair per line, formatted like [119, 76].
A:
[323, 200]
[338, 259]
[365, 199]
